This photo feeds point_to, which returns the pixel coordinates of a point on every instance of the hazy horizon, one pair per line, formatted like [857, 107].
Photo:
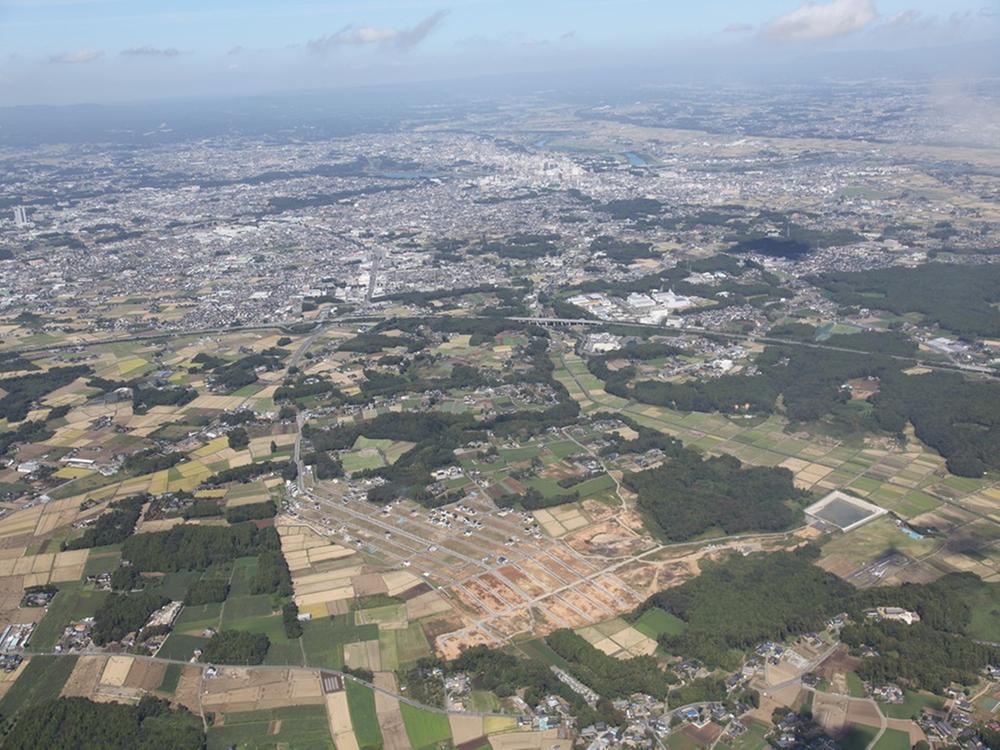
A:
[104, 51]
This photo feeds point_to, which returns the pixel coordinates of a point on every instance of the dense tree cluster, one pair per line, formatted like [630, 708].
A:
[959, 298]
[111, 527]
[247, 472]
[743, 601]
[688, 495]
[151, 460]
[929, 654]
[917, 655]
[202, 509]
[621, 251]
[520, 246]
[290, 619]
[535, 500]
[122, 614]
[371, 342]
[144, 398]
[272, 576]
[82, 724]
[190, 547]
[231, 376]
[251, 512]
[29, 431]
[20, 393]
[954, 415]
[957, 417]
[126, 578]
[15, 362]
[238, 438]
[505, 674]
[611, 677]
[206, 591]
[235, 647]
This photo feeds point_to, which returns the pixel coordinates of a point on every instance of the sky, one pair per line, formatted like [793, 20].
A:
[70, 51]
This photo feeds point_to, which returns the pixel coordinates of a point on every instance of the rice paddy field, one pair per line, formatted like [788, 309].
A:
[292, 727]
[910, 482]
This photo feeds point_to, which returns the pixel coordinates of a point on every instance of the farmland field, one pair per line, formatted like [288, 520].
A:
[290, 728]
[656, 622]
[893, 739]
[425, 729]
[361, 702]
[71, 603]
[40, 681]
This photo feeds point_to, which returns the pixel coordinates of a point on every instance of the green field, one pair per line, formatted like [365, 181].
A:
[354, 461]
[102, 560]
[855, 688]
[170, 678]
[41, 680]
[540, 650]
[289, 728]
[323, 639]
[196, 618]
[893, 739]
[986, 613]
[656, 622]
[857, 737]
[361, 702]
[752, 739]
[912, 704]
[179, 646]
[72, 602]
[425, 729]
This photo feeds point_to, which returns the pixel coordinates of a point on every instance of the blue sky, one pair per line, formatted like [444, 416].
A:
[81, 50]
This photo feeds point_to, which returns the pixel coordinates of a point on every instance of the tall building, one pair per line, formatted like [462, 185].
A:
[20, 217]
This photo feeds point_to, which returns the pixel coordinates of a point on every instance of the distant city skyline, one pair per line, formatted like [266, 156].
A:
[64, 51]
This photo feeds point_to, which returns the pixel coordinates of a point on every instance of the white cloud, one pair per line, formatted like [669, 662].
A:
[822, 20]
[77, 58]
[401, 39]
[150, 52]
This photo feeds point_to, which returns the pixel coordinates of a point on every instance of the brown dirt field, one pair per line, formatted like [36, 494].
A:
[465, 728]
[83, 679]
[538, 573]
[481, 592]
[830, 712]
[519, 579]
[518, 621]
[837, 565]
[905, 725]
[591, 609]
[341, 729]
[562, 611]
[704, 736]
[502, 590]
[414, 592]
[571, 561]
[601, 596]
[427, 604]
[389, 717]
[530, 741]
[863, 712]
[608, 539]
[188, 688]
[146, 675]
[369, 584]
[839, 662]
[452, 647]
